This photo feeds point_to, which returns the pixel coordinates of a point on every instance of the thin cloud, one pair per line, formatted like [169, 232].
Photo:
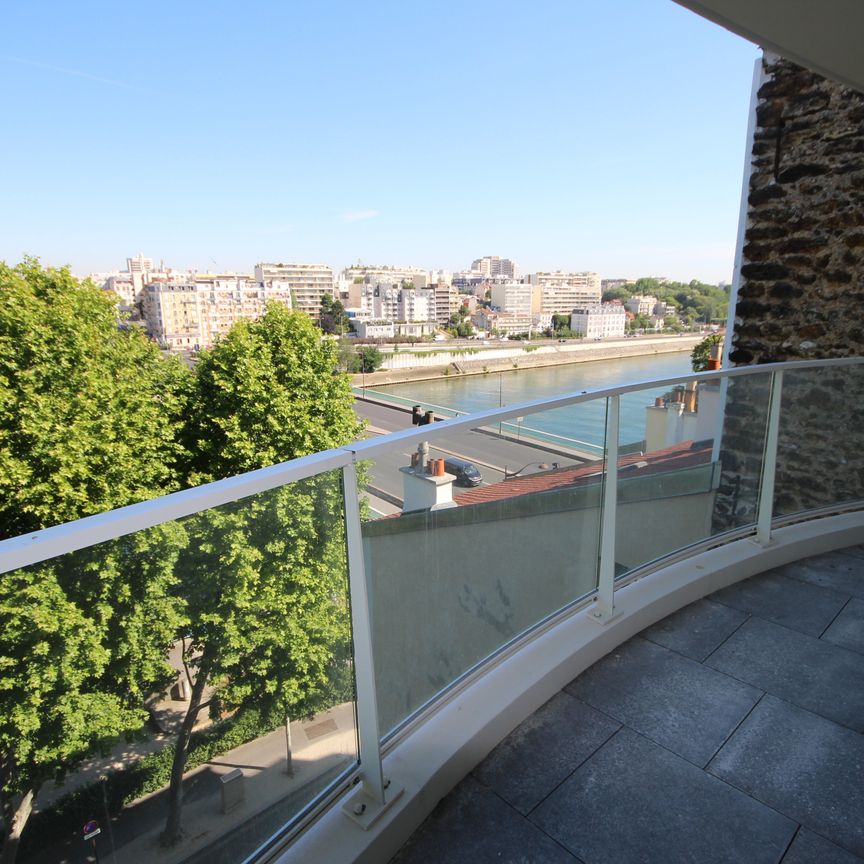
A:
[360, 215]
[76, 73]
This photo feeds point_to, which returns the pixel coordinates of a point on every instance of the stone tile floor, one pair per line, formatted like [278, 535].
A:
[729, 732]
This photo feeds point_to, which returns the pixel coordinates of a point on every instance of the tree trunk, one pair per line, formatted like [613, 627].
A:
[16, 812]
[171, 834]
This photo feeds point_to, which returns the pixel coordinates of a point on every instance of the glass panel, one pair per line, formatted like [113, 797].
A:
[461, 563]
[226, 623]
[682, 483]
[819, 463]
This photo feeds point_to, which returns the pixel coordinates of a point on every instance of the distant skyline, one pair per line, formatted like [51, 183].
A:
[563, 135]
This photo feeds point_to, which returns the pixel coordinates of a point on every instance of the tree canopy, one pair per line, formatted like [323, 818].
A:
[267, 620]
[88, 420]
[333, 317]
[92, 417]
[88, 411]
[693, 300]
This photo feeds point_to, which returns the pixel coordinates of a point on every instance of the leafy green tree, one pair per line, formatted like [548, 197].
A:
[701, 354]
[262, 579]
[88, 411]
[560, 322]
[333, 317]
[88, 420]
[370, 359]
[621, 294]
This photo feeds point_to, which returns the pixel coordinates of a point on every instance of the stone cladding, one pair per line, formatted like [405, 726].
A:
[801, 296]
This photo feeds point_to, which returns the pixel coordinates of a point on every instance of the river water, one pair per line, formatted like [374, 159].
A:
[584, 423]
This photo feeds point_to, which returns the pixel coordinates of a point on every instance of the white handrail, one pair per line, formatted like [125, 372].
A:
[61, 539]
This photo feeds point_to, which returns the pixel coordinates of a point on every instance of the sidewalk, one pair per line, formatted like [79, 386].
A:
[322, 747]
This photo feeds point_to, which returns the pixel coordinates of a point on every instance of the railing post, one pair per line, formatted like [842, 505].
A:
[765, 511]
[376, 793]
[604, 608]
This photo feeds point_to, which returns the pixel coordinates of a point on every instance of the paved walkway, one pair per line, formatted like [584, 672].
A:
[729, 732]
[321, 748]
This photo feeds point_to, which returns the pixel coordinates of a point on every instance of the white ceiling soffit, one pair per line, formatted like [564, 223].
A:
[824, 35]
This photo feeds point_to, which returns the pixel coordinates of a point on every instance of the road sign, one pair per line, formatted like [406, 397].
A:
[91, 829]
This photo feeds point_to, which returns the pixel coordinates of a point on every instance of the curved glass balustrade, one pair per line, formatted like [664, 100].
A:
[457, 538]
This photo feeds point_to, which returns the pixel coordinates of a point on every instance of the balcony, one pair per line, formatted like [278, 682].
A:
[729, 731]
[599, 515]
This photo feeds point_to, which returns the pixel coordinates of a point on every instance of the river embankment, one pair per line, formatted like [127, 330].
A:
[443, 362]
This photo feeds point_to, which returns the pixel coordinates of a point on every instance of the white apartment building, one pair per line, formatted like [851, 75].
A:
[387, 275]
[599, 321]
[587, 281]
[641, 304]
[397, 304]
[549, 300]
[493, 265]
[514, 298]
[307, 283]
[375, 329]
[173, 313]
[506, 324]
[446, 302]
[127, 284]
[192, 313]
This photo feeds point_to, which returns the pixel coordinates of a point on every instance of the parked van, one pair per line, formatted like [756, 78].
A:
[466, 473]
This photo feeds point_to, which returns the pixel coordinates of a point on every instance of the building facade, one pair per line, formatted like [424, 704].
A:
[493, 265]
[587, 281]
[306, 283]
[549, 300]
[600, 321]
[514, 298]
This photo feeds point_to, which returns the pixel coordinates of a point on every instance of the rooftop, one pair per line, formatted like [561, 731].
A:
[729, 731]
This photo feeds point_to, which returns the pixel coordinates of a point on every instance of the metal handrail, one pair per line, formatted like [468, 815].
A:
[48, 543]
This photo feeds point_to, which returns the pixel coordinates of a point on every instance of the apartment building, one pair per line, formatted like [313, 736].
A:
[173, 314]
[493, 265]
[192, 312]
[514, 298]
[446, 301]
[127, 284]
[507, 324]
[641, 304]
[549, 300]
[599, 321]
[393, 303]
[587, 281]
[387, 275]
[306, 283]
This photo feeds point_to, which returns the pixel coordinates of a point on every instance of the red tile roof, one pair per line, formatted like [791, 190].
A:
[683, 455]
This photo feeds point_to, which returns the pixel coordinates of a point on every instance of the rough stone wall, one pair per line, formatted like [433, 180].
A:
[802, 279]
[801, 296]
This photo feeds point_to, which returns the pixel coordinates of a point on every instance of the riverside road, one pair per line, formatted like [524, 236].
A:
[492, 452]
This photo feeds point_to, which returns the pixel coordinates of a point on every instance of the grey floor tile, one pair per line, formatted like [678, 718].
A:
[810, 848]
[672, 700]
[857, 551]
[801, 669]
[804, 766]
[847, 630]
[472, 825]
[696, 630]
[544, 750]
[636, 802]
[841, 571]
[790, 602]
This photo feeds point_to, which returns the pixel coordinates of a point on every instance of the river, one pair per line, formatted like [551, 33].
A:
[583, 423]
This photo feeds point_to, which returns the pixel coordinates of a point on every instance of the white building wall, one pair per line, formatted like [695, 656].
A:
[514, 298]
[600, 321]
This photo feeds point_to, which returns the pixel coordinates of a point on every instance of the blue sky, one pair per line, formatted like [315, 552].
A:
[606, 135]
